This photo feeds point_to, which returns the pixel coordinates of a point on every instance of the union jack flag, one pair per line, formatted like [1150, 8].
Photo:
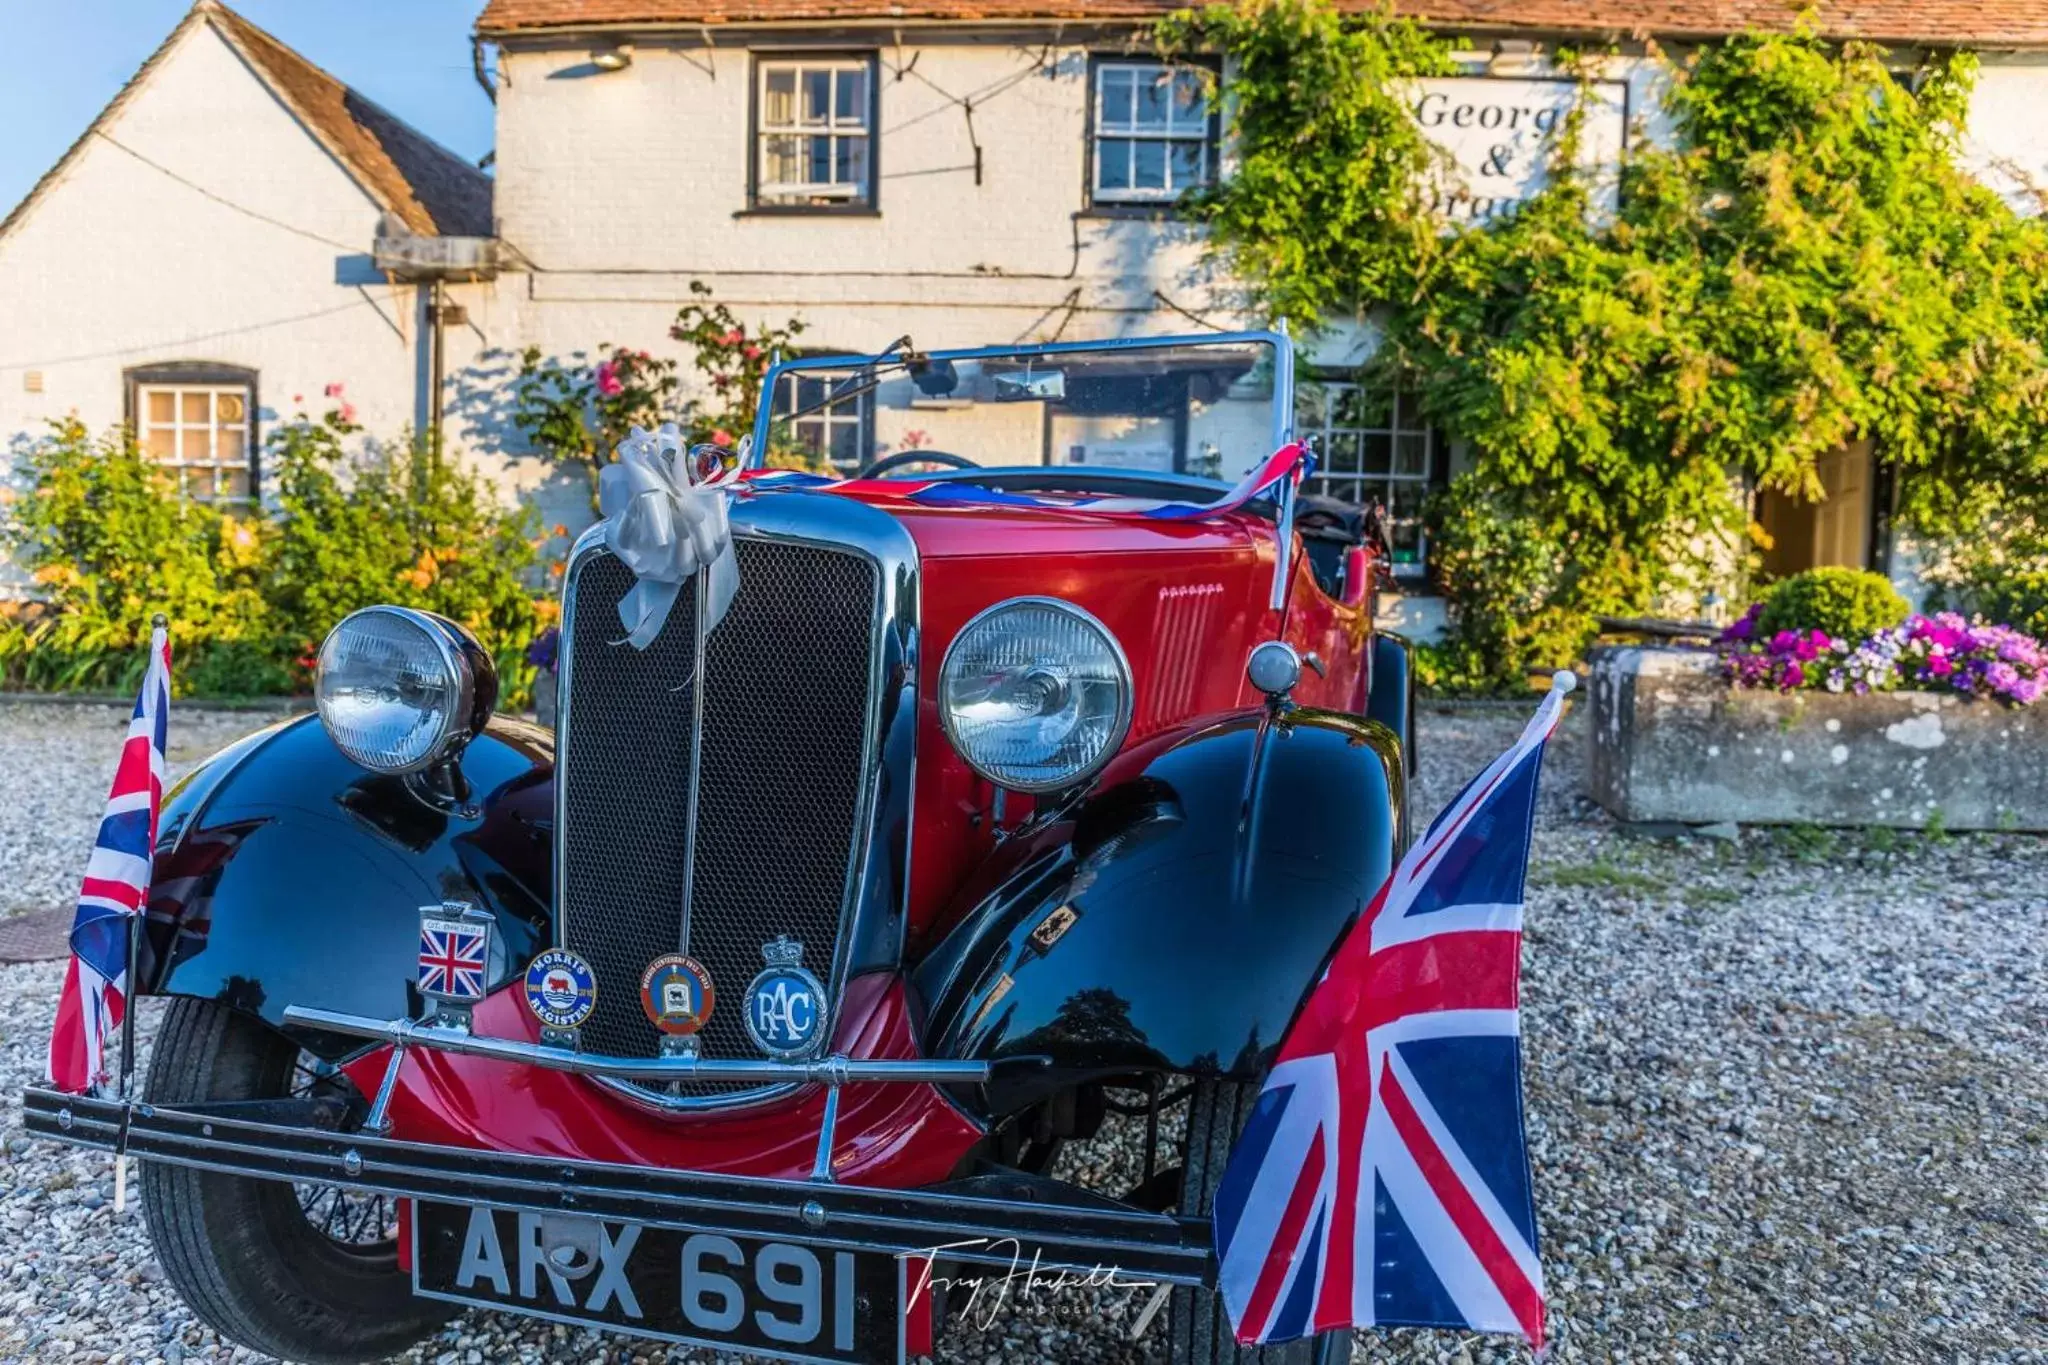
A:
[452, 958]
[96, 984]
[1382, 1178]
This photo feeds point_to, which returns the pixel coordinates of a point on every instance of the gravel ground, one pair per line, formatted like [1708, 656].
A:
[1788, 1098]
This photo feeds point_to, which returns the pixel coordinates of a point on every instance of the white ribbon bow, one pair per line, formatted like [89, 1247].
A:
[665, 522]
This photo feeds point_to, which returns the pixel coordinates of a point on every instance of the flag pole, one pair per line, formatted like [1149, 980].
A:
[157, 622]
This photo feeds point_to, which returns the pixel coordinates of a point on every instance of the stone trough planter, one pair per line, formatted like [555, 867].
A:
[1672, 741]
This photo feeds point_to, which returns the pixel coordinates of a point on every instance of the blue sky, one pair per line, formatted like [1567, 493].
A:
[62, 62]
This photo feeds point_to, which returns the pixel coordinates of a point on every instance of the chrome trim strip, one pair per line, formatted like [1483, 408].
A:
[832, 523]
[701, 596]
[836, 1070]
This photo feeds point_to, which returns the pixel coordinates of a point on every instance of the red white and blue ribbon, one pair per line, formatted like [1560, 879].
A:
[97, 983]
[666, 516]
[1382, 1178]
[1291, 463]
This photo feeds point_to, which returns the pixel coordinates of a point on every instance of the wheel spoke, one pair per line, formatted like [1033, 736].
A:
[360, 1220]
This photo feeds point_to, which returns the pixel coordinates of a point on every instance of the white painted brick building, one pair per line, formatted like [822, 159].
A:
[965, 173]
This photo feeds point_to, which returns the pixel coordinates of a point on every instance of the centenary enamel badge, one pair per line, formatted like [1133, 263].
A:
[676, 992]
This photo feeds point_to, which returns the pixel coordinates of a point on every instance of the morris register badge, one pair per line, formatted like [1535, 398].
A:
[561, 990]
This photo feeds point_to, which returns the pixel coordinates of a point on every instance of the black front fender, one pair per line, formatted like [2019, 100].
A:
[288, 875]
[1176, 922]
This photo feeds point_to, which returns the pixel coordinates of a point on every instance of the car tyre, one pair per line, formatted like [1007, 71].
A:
[1198, 1325]
[241, 1251]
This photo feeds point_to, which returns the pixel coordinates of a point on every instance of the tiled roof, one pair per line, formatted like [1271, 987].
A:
[432, 190]
[1939, 23]
[435, 191]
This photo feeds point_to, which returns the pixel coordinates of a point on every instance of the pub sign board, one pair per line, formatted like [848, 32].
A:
[1499, 134]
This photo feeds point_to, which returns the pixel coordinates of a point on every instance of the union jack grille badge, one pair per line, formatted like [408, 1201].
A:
[455, 956]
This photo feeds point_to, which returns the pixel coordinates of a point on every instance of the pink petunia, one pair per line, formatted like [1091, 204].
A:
[333, 391]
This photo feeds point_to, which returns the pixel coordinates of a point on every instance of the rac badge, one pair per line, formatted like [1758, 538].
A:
[785, 1003]
[676, 992]
[561, 990]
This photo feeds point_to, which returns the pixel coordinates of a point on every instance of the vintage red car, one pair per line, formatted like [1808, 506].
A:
[1025, 779]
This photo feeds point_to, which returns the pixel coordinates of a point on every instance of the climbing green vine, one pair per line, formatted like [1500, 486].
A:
[1804, 263]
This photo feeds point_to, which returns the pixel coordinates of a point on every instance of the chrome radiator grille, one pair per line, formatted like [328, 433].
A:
[770, 742]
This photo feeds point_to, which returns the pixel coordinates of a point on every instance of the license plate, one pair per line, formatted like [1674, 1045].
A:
[788, 1299]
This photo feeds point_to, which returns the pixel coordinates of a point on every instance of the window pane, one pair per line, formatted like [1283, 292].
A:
[779, 161]
[1190, 100]
[1187, 164]
[1308, 406]
[779, 108]
[162, 406]
[1116, 97]
[230, 444]
[817, 160]
[1411, 454]
[233, 482]
[851, 166]
[1113, 163]
[817, 96]
[1378, 453]
[1155, 86]
[199, 483]
[1341, 450]
[1357, 407]
[160, 443]
[851, 105]
[846, 443]
[230, 407]
[196, 445]
[195, 408]
[1148, 165]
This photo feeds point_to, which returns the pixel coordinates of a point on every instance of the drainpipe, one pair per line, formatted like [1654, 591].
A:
[437, 312]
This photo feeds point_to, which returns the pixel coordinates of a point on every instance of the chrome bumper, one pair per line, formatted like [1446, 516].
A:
[1003, 1219]
[831, 1072]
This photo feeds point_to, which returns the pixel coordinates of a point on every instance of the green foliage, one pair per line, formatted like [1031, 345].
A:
[1805, 265]
[1848, 604]
[2001, 571]
[579, 412]
[1327, 207]
[1522, 593]
[405, 526]
[109, 543]
[734, 363]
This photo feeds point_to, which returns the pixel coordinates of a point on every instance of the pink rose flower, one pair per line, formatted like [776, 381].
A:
[608, 382]
[333, 391]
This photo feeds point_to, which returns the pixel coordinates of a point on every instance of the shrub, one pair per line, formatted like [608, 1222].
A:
[1523, 593]
[2018, 599]
[1845, 604]
[109, 543]
[404, 525]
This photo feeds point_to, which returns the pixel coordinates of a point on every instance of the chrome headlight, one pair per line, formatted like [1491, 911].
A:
[1035, 694]
[401, 690]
